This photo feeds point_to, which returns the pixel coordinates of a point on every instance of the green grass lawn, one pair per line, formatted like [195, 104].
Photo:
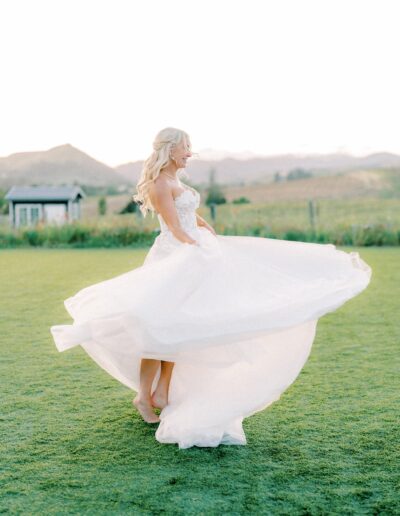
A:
[71, 442]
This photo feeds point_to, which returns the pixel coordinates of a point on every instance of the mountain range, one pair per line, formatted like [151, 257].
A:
[65, 164]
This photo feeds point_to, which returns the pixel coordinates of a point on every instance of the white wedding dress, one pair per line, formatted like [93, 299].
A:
[236, 314]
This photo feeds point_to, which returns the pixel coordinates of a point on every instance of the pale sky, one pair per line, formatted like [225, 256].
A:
[258, 76]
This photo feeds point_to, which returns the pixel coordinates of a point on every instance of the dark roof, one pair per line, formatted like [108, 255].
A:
[44, 193]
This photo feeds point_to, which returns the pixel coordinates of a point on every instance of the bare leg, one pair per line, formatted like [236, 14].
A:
[160, 396]
[142, 401]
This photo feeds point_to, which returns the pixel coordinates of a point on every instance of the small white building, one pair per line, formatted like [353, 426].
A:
[29, 205]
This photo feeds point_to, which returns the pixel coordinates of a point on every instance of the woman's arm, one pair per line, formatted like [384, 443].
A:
[203, 223]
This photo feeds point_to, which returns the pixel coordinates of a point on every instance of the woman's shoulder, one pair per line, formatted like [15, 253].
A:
[157, 189]
[159, 185]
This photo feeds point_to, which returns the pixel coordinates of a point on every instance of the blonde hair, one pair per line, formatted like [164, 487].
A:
[164, 141]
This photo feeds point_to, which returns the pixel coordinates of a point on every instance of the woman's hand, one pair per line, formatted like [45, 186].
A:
[192, 241]
[204, 224]
[210, 228]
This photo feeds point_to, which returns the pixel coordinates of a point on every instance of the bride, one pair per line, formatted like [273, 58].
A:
[162, 189]
[211, 328]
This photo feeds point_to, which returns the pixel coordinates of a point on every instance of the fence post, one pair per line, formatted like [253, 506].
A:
[312, 213]
[213, 211]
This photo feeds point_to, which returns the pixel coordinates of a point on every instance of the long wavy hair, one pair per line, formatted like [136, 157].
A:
[164, 141]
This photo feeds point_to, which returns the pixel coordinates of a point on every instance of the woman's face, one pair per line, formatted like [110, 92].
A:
[181, 152]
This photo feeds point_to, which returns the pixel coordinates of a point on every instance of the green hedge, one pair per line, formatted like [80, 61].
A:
[75, 235]
[357, 235]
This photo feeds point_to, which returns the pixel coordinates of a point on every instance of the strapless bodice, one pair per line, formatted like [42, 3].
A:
[186, 204]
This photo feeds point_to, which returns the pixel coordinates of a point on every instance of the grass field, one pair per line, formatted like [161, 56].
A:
[280, 214]
[72, 444]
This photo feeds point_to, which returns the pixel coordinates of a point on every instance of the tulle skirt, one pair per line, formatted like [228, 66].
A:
[236, 314]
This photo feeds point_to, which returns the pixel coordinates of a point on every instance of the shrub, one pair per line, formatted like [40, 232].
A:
[131, 207]
[102, 206]
[298, 173]
[241, 200]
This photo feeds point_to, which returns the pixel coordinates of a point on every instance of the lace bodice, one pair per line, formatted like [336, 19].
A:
[186, 204]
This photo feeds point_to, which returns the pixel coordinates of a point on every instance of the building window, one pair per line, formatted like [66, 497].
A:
[28, 214]
[23, 216]
[34, 215]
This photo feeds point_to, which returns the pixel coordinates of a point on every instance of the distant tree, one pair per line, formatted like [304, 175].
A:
[3, 203]
[102, 206]
[112, 190]
[116, 190]
[298, 173]
[241, 200]
[215, 195]
[131, 207]
[92, 190]
[277, 177]
[214, 191]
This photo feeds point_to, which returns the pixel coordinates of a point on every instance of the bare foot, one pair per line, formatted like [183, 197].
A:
[159, 399]
[146, 410]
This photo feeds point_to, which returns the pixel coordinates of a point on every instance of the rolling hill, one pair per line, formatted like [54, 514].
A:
[66, 164]
[60, 165]
[344, 185]
[262, 169]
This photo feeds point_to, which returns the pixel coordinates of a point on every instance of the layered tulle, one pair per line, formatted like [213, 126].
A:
[236, 314]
